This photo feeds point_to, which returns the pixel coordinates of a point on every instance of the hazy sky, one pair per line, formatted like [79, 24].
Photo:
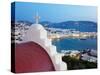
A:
[54, 12]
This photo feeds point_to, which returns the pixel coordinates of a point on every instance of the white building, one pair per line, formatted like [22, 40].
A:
[86, 57]
[38, 34]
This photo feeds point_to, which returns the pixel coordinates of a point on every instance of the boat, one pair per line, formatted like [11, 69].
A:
[83, 39]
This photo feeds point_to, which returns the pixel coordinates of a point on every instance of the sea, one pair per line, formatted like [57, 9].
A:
[75, 44]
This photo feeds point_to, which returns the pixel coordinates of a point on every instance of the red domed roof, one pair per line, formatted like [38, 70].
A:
[31, 57]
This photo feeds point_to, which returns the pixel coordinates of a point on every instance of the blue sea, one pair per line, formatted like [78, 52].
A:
[75, 44]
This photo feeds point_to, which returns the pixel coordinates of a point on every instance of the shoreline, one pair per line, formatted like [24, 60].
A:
[82, 35]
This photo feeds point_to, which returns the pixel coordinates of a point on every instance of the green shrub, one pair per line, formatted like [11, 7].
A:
[73, 63]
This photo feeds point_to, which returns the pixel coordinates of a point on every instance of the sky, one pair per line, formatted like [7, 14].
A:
[26, 11]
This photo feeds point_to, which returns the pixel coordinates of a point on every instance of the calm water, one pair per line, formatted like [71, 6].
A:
[75, 44]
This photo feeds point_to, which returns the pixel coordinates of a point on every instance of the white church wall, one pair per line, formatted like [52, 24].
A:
[38, 34]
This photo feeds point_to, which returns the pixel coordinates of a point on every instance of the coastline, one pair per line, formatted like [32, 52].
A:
[82, 35]
[89, 54]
